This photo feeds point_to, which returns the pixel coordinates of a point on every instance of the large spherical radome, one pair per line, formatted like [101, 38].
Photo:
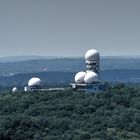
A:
[34, 82]
[92, 55]
[79, 77]
[91, 77]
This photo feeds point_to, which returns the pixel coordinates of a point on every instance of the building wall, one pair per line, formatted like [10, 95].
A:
[94, 88]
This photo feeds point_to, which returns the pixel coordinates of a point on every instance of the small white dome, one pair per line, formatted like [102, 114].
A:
[79, 77]
[92, 55]
[34, 82]
[14, 90]
[91, 77]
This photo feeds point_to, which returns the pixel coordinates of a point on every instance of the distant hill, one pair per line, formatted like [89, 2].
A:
[41, 65]
[35, 57]
[26, 58]
[64, 78]
[65, 65]
[108, 63]
[62, 70]
[19, 58]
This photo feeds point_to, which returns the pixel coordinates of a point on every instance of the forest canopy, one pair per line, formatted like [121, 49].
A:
[68, 115]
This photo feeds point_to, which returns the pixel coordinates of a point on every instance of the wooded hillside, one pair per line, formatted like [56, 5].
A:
[68, 115]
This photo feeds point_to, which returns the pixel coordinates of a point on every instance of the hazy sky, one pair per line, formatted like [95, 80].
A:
[69, 27]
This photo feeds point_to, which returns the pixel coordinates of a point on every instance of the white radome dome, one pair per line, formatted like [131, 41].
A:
[34, 82]
[14, 89]
[91, 77]
[79, 77]
[92, 55]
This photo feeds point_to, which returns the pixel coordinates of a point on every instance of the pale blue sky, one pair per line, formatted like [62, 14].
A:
[69, 27]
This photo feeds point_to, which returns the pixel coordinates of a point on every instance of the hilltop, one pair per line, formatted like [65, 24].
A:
[68, 115]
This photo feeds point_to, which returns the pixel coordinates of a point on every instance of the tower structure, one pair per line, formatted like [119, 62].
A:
[93, 61]
[89, 81]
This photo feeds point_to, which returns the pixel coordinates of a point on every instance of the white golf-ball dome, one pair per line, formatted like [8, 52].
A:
[14, 90]
[79, 77]
[91, 77]
[34, 82]
[92, 55]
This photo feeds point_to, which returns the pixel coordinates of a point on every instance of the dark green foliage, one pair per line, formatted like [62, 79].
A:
[67, 115]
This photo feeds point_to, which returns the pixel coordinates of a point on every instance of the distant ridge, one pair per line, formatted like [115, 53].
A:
[21, 58]
[28, 57]
[35, 57]
[64, 78]
[123, 57]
